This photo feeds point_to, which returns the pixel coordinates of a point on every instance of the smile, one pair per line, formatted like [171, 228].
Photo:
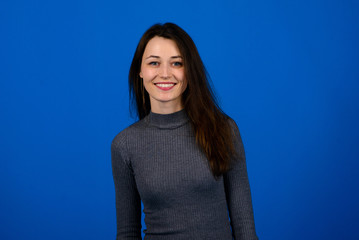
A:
[165, 86]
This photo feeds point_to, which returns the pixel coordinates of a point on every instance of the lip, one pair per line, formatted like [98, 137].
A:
[165, 86]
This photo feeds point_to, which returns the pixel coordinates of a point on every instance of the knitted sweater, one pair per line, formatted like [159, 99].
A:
[157, 160]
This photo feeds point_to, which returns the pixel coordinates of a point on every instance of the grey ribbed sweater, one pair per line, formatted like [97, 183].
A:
[156, 160]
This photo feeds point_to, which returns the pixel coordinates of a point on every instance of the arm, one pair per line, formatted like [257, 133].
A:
[128, 202]
[238, 194]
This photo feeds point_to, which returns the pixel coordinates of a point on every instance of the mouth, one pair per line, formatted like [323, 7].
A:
[165, 86]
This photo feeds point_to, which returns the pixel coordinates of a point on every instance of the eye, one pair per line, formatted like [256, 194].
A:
[153, 63]
[177, 64]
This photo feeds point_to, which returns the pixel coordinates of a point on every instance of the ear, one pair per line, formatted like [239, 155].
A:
[141, 76]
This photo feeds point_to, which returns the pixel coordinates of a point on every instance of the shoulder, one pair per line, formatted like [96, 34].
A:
[120, 140]
[120, 144]
[237, 139]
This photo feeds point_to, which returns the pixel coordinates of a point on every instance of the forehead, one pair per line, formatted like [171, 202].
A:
[161, 47]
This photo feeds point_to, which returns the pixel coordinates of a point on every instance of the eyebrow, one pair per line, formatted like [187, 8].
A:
[153, 56]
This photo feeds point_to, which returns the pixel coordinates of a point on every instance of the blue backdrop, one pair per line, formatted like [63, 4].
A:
[286, 71]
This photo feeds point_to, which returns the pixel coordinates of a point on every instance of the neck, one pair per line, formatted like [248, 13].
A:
[167, 121]
[166, 107]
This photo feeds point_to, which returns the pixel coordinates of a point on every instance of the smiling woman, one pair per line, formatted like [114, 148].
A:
[163, 75]
[184, 158]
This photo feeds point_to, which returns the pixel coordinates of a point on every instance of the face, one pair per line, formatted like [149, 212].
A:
[163, 75]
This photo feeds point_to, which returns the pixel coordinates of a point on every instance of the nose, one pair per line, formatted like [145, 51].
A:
[165, 71]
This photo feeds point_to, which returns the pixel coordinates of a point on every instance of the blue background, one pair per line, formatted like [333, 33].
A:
[286, 71]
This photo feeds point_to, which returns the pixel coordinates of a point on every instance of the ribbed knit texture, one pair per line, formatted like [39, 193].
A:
[157, 160]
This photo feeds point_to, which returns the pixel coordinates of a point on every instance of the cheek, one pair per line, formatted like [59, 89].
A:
[184, 83]
[184, 80]
[146, 71]
[181, 76]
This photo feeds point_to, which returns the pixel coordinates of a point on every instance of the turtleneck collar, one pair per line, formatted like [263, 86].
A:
[167, 121]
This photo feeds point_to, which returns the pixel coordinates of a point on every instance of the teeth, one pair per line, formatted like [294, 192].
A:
[165, 85]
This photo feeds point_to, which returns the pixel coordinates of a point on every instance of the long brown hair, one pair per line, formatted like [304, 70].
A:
[210, 124]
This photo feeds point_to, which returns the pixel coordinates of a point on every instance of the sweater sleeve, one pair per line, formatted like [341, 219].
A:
[238, 194]
[128, 202]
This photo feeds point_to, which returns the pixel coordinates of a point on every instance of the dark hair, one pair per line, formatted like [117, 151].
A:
[211, 126]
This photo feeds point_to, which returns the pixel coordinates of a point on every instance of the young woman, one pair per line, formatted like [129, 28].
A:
[184, 158]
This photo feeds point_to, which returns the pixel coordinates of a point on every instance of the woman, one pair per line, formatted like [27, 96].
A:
[184, 158]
